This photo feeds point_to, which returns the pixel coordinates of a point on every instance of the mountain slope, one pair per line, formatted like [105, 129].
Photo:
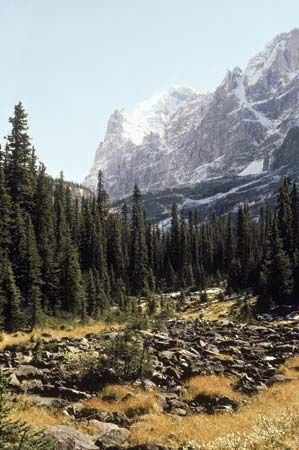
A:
[183, 137]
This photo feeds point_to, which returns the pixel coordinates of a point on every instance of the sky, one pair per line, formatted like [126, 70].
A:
[73, 62]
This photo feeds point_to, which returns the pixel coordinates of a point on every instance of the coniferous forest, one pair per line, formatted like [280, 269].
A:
[63, 254]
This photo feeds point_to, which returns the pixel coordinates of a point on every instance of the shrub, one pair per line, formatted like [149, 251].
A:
[127, 357]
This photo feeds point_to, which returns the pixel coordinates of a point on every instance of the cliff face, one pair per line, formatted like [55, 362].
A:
[183, 137]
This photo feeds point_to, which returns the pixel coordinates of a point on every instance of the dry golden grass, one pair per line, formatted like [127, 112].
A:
[214, 309]
[290, 368]
[74, 331]
[209, 385]
[37, 417]
[41, 417]
[210, 311]
[127, 398]
[266, 420]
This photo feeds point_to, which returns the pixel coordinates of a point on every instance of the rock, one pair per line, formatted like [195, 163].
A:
[102, 427]
[13, 382]
[25, 372]
[49, 402]
[72, 394]
[114, 438]
[114, 417]
[32, 386]
[212, 404]
[68, 438]
[173, 373]
[178, 412]
[279, 378]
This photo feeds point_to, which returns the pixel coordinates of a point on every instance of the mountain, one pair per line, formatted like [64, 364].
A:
[183, 137]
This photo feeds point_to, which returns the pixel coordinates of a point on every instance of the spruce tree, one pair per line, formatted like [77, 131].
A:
[285, 217]
[43, 220]
[20, 160]
[33, 281]
[10, 299]
[71, 281]
[102, 197]
[175, 238]
[138, 257]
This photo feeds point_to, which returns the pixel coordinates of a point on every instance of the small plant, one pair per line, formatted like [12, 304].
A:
[220, 296]
[204, 297]
[126, 357]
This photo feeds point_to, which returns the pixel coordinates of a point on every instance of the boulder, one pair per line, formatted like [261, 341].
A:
[102, 427]
[68, 438]
[113, 438]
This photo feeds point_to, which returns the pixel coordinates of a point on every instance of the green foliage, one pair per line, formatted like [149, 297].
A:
[127, 357]
[204, 297]
[63, 253]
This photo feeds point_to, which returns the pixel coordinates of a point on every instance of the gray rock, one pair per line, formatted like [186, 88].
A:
[25, 372]
[72, 394]
[113, 438]
[68, 438]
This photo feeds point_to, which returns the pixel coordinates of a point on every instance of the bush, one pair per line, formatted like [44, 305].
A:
[204, 297]
[220, 296]
[127, 357]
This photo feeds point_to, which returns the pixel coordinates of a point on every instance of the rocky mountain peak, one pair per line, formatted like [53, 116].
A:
[115, 123]
[183, 137]
[277, 63]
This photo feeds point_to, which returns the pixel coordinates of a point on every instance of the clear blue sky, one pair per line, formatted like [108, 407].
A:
[72, 62]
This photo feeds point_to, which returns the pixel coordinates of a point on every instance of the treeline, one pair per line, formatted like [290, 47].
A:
[61, 254]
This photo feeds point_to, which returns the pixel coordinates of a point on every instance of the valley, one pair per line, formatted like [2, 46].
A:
[155, 305]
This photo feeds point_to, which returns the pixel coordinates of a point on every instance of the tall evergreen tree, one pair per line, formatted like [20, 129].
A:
[138, 258]
[20, 160]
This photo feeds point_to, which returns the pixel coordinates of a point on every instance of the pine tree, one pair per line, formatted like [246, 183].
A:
[5, 216]
[71, 281]
[43, 215]
[33, 281]
[230, 244]
[18, 248]
[285, 217]
[10, 299]
[175, 238]
[20, 161]
[276, 280]
[138, 258]
[102, 197]
[244, 245]
[91, 294]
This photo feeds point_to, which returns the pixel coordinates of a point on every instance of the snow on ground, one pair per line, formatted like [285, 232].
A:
[254, 168]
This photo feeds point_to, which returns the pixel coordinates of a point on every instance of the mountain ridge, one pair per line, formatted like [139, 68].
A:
[184, 137]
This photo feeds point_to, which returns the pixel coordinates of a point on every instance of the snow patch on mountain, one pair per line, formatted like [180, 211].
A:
[153, 115]
[254, 168]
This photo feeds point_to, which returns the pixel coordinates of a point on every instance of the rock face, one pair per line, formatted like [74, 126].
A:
[184, 137]
[288, 153]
